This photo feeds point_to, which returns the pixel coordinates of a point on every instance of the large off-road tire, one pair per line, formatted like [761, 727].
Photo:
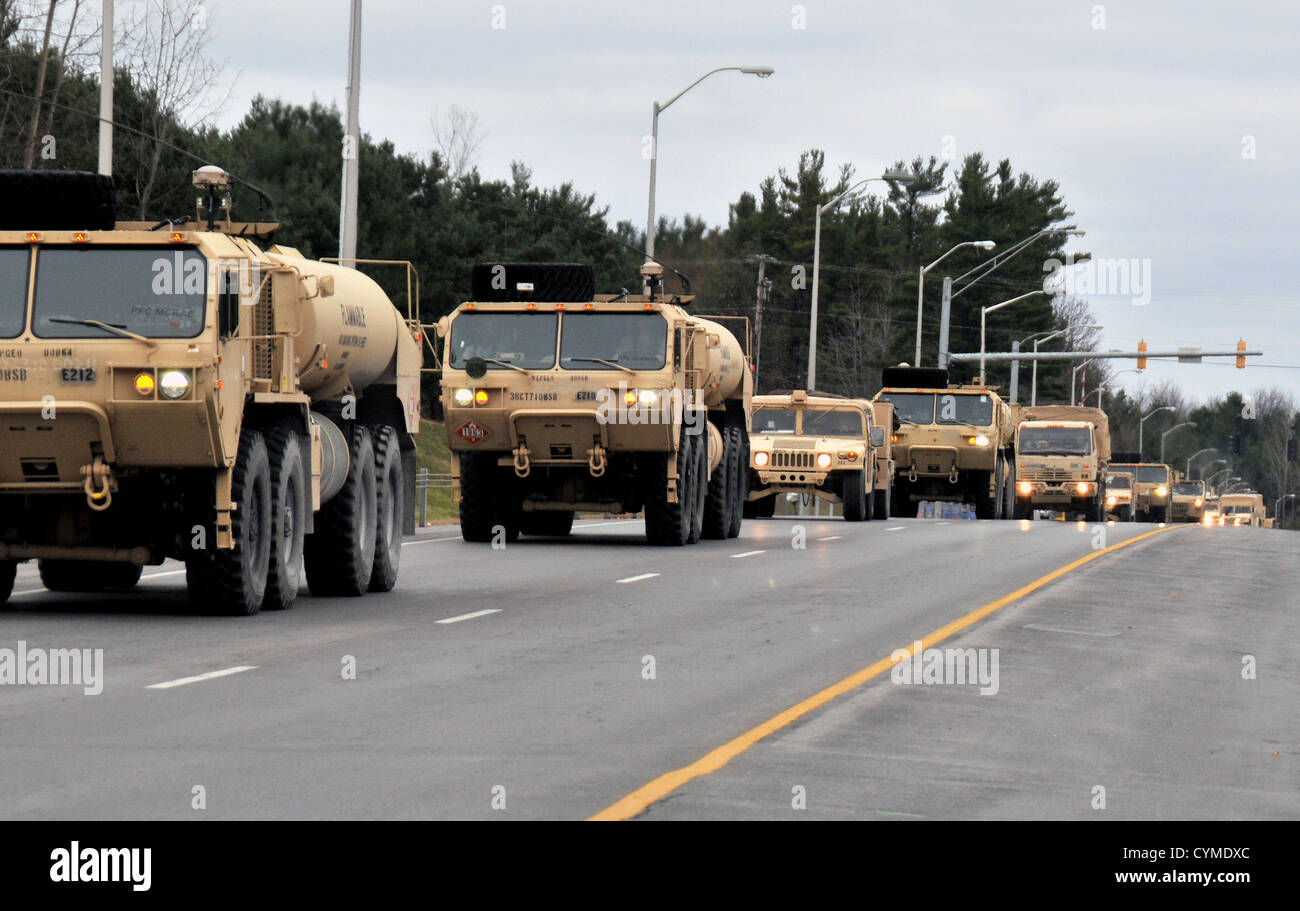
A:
[669, 523]
[1160, 514]
[854, 495]
[234, 581]
[901, 501]
[882, 508]
[766, 507]
[289, 507]
[699, 484]
[717, 497]
[56, 200]
[389, 488]
[8, 572]
[340, 553]
[547, 523]
[985, 503]
[552, 282]
[87, 575]
[1009, 490]
[486, 502]
[738, 445]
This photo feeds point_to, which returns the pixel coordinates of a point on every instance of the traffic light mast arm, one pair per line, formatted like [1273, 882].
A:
[1082, 355]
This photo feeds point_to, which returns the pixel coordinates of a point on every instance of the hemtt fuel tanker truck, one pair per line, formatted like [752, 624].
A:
[175, 390]
[560, 400]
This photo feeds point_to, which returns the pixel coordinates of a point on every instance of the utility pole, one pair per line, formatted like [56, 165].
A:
[106, 92]
[764, 288]
[351, 145]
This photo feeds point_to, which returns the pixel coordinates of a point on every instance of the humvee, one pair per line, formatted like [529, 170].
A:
[560, 400]
[1151, 486]
[1242, 509]
[820, 445]
[1187, 501]
[952, 442]
[1119, 495]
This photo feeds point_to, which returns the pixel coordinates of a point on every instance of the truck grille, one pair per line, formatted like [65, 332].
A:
[785, 459]
[264, 327]
[1043, 474]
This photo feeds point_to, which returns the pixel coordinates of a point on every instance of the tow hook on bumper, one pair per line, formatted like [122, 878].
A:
[596, 460]
[522, 464]
[99, 484]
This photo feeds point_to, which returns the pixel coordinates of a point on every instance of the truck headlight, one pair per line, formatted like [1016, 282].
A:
[1111, 501]
[1161, 491]
[463, 397]
[824, 460]
[174, 384]
[1025, 488]
[1199, 502]
[761, 459]
[649, 397]
[1083, 487]
[980, 440]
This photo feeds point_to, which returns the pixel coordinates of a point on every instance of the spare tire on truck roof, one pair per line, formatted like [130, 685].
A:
[914, 378]
[56, 201]
[543, 282]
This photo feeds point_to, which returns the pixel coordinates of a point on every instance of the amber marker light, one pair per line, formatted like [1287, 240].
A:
[144, 383]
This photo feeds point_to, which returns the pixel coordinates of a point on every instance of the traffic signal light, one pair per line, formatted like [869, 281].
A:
[1235, 444]
[1241, 358]
[1290, 450]
[1142, 362]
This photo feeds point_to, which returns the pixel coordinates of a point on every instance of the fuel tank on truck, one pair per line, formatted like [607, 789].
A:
[726, 364]
[354, 331]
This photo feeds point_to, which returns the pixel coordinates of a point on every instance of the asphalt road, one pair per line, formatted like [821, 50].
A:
[579, 677]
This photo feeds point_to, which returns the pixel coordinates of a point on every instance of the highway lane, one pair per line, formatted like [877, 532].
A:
[546, 698]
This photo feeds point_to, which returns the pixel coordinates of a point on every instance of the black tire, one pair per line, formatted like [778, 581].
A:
[340, 553]
[699, 484]
[57, 200]
[87, 575]
[485, 499]
[738, 442]
[234, 581]
[8, 572]
[717, 496]
[900, 501]
[552, 282]
[669, 524]
[882, 508]
[766, 507]
[1160, 514]
[289, 506]
[547, 523]
[389, 489]
[854, 495]
[1009, 489]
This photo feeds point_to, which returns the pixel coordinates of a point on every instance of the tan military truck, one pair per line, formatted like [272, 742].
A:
[1187, 501]
[560, 400]
[952, 442]
[1236, 509]
[818, 445]
[176, 390]
[1119, 495]
[1152, 483]
[1061, 457]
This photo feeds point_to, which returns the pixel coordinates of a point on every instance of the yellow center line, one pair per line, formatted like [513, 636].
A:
[641, 799]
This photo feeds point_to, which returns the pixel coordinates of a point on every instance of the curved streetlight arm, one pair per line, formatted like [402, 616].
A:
[761, 71]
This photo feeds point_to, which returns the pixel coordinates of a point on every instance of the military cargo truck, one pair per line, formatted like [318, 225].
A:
[1061, 457]
[1187, 501]
[952, 442]
[560, 400]
[818, 445]
[177, 390]
[1151, 486]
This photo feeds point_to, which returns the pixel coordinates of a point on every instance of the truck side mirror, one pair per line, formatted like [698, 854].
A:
[878, 437]
[325, 286]
[714, 340]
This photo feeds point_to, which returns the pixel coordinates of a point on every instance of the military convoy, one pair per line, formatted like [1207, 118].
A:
[559, 400]
[819, 445]
[177, 390]
[953, 442]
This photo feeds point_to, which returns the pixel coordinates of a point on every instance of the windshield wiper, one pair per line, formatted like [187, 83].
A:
[493, 360]
[601, 360]
[107, 327]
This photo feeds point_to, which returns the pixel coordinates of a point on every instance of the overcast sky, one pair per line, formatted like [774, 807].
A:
[1172, 130]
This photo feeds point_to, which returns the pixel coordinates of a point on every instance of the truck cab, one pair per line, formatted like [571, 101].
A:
[1187, 501]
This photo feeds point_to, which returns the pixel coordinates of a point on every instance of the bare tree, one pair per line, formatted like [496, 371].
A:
[29, 157]
[165, 46]
[457, 139]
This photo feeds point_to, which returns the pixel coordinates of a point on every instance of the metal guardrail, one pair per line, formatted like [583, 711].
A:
[424, 481]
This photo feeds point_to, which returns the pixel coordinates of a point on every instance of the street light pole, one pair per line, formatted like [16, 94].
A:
[106, 91]
[1074, 375]
[920, 288]
[1193, 457]
[761, 71]
[1164, 435]
[892, 177]
[1209, 465]
[1142, 423]
[984, 311]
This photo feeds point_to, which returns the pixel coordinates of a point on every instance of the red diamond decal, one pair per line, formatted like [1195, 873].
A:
[473, 432]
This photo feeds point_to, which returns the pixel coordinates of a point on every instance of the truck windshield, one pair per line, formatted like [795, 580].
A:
[911, 407]
[826, 422]
[13, 291]
[637, 341]
[976, 410]
[1060, 441]
[1188, 489]
[1119, 482]
[1152, 474]
[525, 340]
[155, 292]
[773, 420]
